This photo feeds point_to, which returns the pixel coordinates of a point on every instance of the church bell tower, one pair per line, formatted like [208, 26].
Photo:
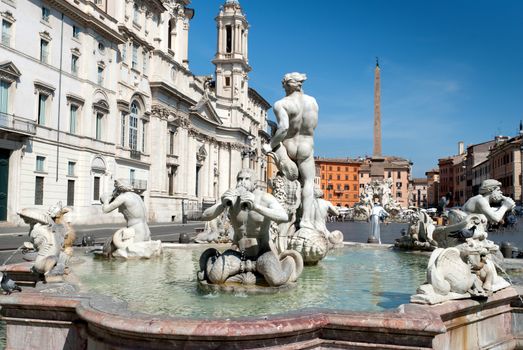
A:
[231, 59]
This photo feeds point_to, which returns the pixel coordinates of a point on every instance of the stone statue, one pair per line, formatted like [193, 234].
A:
[467, 234]
[293, 143]
[420, 232]
[50, 240]
[292, 147]
[217, 230]
[376, 191]
[376, 214]
[253, 259]
[322, 208]
[489, 192]
[288, 193]
[133, 241]
[455, 274]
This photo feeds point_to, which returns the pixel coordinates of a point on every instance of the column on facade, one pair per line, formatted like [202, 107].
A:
[182, 141]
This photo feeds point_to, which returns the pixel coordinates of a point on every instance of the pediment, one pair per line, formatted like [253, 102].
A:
[205, 110]
[9, 71]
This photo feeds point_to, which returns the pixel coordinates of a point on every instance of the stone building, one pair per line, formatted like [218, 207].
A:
[452, 176]
[433, 188]
[397, 168]
[476, 155]
[419, 193]
[505, 163]
[338, 178]
[94, 90]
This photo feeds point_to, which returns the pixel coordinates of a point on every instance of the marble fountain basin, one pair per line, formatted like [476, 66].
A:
[356, 298]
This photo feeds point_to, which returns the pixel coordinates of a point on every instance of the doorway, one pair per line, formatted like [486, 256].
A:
[4, 178]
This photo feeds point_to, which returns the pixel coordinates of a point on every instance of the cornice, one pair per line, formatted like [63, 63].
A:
[135, 37]
[88, 20]
[172, 90]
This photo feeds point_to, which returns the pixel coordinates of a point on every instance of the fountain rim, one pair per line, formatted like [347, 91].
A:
[410, 318]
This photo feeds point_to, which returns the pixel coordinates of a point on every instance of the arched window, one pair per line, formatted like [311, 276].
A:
[133, 126]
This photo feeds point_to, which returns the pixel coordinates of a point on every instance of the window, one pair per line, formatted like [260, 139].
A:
[354, 187]
[96, 188]
[133, 127]
[337, 177]
[45, 13]
[100, 75]
[98, 130]
[39, 190]
[134, 63]
[135, 14]
[40, 164]
[144, 63]
[6, 33]
[132, 176]
[73, 111]
[124, 53]
[228, 40]
[355, 177]
[70, 168]
[399, 174]
[4, 96]
[338, 187]
[171, 175]
[197, 179]
[122, 132]
[389, 174]
[76, 32]
[227, 81]
[44, 51]
[42, 100]
[398, 194]
[171, 142]
[74, 64]
[346, 177]
[144, 134]
[70, 192]
[346, 188]
[338, 168]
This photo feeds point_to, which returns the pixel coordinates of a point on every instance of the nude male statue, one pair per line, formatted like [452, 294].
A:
[293, 142]
[131, 206]
[489, 192]
[251, 212]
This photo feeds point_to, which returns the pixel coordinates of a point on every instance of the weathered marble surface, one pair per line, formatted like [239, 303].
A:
[376, 192]
[292, 147]
[50, 240]
[253, 259]
[133, 241]
[82, 321]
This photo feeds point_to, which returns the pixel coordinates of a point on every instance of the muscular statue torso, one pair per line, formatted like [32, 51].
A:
[302, 111]
[250, 227]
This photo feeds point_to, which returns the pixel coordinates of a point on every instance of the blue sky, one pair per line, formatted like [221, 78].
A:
[450, 70]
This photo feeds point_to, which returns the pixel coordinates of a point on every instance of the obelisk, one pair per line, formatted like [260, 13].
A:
[377, 166]
[377, 111]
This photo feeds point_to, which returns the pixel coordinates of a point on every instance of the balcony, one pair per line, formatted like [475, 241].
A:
[139, 185]
[134, 154]
[17, 125]
[172, 160]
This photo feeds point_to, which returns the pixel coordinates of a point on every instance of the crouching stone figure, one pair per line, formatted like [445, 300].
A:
[253, 259]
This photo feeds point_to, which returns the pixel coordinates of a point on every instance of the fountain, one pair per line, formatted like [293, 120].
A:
[354, 297]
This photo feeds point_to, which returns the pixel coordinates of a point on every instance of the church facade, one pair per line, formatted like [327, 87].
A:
[94, 91]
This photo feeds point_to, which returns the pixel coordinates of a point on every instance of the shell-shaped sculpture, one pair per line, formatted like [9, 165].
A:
[311, 244]
[35, 215]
